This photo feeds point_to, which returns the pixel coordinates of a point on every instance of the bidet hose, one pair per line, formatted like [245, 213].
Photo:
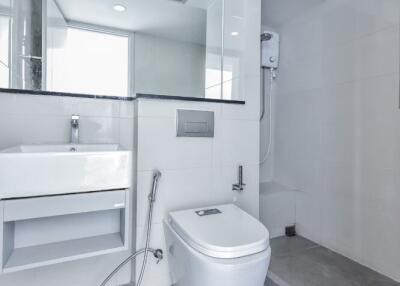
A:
[157, 253]
[116, 270]
[271, 80]
[149, 219]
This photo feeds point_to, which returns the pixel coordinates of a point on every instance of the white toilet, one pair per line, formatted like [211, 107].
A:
[216, 246]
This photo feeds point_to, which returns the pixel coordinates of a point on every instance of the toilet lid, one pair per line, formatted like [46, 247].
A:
[223, 231]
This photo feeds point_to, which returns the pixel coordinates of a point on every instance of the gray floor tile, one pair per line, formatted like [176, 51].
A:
[289, 245]
[299, 262]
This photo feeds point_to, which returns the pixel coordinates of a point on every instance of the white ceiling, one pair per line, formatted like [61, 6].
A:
[277, 12]
[165, 18]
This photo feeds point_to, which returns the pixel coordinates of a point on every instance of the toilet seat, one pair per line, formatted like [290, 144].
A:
[223, 231]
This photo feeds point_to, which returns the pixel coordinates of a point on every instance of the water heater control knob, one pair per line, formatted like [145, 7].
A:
[272, 59]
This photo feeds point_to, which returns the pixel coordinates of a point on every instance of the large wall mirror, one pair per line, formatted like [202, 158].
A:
[114, 47]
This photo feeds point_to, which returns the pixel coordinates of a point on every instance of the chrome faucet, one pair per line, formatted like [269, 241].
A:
[75, 129]
[240, 186]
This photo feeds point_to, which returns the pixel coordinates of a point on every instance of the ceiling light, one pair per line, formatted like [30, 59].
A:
[235, 34]
[119, 8]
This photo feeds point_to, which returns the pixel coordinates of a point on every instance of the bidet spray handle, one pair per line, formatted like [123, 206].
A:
[156, 177]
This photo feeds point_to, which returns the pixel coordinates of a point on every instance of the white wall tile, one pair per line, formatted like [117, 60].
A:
[374, 15]
[160, 148]
[153, 108]
[277, 207]
[99, 129]
[126, 133]
[178, 189]
[156, 274]
[239, 142]
[127, 109]
[91, 108]
[308, 215]
[378, 53]
[249, 199]
[18, 129]
[378, 214]
[8, 103]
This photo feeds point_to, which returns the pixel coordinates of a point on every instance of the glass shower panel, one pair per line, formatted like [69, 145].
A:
[214, 49]
[234, 45]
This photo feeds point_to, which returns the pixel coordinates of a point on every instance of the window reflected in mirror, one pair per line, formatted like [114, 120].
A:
[90, 62]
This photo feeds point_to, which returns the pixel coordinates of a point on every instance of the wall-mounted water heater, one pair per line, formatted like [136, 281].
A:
[270, 50]
[269, 60]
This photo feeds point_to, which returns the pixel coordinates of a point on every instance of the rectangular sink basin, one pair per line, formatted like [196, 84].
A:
[37, 170]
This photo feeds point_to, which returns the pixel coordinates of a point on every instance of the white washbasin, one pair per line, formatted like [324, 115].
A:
[35, 170]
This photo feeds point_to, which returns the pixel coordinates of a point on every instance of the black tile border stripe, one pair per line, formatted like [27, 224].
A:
[183, 98]
[65, 94]
[122, 98]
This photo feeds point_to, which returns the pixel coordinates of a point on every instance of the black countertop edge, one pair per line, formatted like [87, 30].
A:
[66, 94]
[122, 98]
[184, 98]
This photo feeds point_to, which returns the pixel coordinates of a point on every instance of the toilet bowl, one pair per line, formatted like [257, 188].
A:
[216, 246]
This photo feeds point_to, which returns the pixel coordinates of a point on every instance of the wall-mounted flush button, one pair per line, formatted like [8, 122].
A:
[194, 123]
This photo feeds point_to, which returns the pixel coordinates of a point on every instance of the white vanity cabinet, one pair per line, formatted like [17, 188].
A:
[41, 231]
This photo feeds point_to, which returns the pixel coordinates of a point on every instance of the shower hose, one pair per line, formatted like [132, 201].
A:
[157, 253]
[271, 80]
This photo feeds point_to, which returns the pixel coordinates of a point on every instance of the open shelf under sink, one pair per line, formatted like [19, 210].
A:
[57, 252]
[43, 231]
